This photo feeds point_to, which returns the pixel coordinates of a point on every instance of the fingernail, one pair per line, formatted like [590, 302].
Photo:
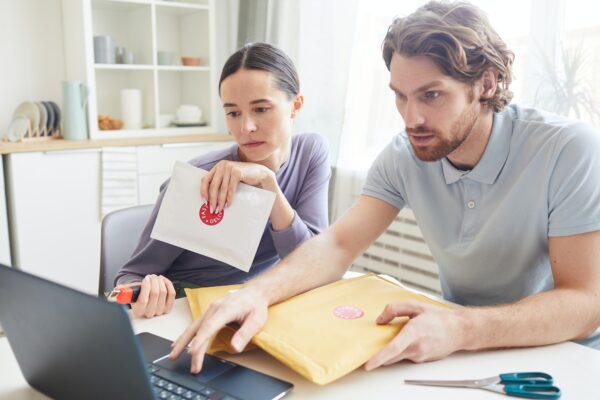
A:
[237, 345]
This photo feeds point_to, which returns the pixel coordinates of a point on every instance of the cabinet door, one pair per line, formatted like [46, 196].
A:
[54, 214]
[155, 164]
[4, 244]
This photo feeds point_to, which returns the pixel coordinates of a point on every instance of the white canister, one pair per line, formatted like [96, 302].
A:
[131, 108]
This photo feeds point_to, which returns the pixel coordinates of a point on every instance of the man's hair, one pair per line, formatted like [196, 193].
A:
[459, 39]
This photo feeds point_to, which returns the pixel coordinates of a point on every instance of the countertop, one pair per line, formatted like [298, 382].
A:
[33, 145]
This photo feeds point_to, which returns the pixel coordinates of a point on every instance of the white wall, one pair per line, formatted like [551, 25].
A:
[31, 48]
[32, 52]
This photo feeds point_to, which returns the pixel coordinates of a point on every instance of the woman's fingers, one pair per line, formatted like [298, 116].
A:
[218, 187]
[213, 191]
[222, 198]
[234, 180]
[139, 307]
[154, 295]
[170, 295]
[205, 183]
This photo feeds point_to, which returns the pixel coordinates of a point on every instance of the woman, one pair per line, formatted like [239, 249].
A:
[260, 94]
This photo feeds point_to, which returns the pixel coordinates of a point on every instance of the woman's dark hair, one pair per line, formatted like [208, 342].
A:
[264, 57]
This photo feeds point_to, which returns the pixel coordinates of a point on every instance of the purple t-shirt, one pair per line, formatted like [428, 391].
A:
[303, 179]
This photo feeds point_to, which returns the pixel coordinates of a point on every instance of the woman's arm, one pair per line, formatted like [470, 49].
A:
[310, 206]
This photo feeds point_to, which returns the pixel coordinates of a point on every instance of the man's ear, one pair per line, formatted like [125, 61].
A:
[297, 104]
[489, 83]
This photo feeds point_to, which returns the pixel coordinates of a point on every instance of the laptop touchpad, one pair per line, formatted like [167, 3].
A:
[211, 368]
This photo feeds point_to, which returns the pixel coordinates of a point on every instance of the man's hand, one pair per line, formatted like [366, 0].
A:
[219, 185]
[432, 333]
[156, 297]
[245, 307]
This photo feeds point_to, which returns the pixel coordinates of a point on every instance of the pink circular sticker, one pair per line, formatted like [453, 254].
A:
[348, 312]
[209, 218]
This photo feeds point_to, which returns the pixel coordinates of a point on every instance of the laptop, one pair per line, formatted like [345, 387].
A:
[70, 345]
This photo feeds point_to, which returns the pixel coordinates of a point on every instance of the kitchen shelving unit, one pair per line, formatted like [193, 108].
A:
[185, 28]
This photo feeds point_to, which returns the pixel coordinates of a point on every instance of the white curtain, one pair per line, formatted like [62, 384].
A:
[336, 46]
[557, 46]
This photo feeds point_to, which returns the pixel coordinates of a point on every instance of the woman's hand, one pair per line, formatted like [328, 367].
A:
[156, 297]
[219, 185]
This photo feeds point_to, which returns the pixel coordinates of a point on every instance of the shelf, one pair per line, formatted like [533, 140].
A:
[128, 24]
[120, 5]
[110, 82]
[182, 68]
[177, 87]
[124, 67]
[179, 8]
[162, 132]
[184, 28]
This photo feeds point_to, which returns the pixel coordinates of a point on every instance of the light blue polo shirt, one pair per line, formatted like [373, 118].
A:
[488, 228]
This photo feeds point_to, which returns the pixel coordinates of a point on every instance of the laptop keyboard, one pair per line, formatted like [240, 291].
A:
[165, 388]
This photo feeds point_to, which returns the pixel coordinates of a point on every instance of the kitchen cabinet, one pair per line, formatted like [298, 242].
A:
[53, 209]
[4, 243]
[54, 206]
[155, 164]
[176, 29]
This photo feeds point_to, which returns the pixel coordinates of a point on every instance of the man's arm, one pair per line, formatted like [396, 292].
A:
[318, 261]
[568, 311]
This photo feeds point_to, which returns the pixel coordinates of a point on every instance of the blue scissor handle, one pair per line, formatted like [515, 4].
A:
[527, 378]
[538, 391]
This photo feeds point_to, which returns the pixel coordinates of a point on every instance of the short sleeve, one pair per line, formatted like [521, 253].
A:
[383, 179]
[574, 187]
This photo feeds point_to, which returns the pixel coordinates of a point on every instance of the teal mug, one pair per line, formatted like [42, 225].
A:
[75, 95]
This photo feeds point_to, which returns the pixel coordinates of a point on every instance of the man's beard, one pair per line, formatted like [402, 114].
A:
[459, 133]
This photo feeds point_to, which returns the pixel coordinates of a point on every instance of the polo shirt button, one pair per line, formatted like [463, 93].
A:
[471, 204]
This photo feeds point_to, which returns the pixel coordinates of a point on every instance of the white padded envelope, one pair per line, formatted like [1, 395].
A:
[231, 237]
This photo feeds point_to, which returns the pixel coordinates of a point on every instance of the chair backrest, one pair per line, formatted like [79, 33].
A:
[121, 232]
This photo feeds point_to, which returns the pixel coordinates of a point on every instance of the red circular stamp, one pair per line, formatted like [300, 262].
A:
[209, 218]
[348, 312]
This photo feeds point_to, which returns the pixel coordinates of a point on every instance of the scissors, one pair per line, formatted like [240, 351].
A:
[529, 385]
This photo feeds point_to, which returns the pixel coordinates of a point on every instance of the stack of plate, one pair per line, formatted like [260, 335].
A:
[34, 119]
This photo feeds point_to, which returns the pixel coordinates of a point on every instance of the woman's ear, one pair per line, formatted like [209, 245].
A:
[297, 105]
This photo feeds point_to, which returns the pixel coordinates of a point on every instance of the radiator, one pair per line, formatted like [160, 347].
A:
[402, 253]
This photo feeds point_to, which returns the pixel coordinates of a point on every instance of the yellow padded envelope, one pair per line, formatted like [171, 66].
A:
[325, 333]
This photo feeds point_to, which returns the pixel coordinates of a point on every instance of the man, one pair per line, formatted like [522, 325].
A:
[508, 200]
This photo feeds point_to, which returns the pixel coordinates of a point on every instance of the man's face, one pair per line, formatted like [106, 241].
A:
[439, 111]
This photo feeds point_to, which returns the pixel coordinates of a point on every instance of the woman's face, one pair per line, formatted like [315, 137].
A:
[259, 116]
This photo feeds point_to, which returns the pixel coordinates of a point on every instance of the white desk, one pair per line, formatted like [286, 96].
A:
[575, 369]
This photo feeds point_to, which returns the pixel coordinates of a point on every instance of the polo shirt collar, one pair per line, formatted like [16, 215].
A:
[494, 157]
